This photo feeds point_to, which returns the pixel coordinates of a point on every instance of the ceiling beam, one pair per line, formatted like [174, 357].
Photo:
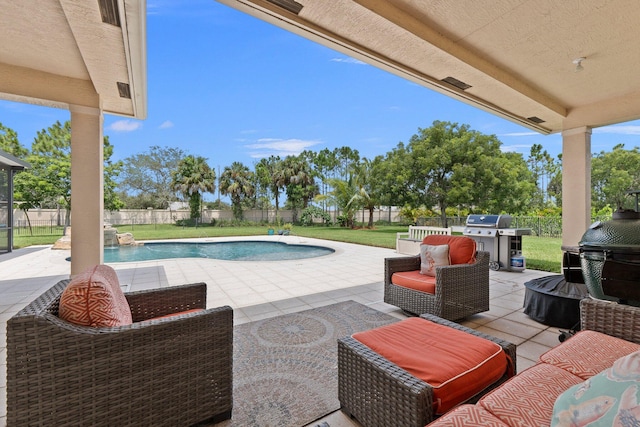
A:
[413, 25]
[41, 88]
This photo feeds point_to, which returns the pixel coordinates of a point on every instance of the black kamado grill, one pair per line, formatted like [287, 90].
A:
[492, 234]
[610, 258]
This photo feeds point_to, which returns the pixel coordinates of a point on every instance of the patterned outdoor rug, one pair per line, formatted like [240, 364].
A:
[285, 370]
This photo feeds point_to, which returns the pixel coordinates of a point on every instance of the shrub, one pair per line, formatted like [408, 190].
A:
[311, 212]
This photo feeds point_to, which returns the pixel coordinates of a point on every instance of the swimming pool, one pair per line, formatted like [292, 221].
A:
[244, 250]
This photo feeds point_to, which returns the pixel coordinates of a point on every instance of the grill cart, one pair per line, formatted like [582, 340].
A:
[504, 244]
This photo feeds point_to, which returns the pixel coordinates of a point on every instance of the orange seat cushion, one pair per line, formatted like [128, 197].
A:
[456, 364]
[462, 249]
[179, 313]
[95, 298]
[414, 280]
[588, 353]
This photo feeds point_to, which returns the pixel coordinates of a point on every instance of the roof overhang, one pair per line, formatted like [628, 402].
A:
[59, 53]
[514, 59]
[13, 162]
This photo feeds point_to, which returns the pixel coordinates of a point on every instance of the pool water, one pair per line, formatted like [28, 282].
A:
[231, 251]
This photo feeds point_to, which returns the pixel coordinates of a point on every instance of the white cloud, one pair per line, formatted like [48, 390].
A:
[515, 148]
[619, 130]
[348, 61]
[166, 124]
[125, 126]
[266, 147]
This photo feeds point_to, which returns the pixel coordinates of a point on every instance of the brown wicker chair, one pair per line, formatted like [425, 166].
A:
[174, 371]
[461, 290]
[378, 393]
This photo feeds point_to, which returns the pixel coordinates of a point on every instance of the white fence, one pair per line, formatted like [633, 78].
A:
[161, 216]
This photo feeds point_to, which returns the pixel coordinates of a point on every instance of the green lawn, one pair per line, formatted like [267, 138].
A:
[541, 253]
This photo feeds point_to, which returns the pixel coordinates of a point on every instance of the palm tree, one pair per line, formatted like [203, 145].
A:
[271, 171]
[236, 181]
[300, 183]
[343, 196]
[193, 177]
[365, 196]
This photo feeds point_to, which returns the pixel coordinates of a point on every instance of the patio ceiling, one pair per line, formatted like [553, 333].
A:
[60, 53]
[517, 56]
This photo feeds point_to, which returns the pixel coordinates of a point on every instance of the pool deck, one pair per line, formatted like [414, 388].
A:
[263, 289]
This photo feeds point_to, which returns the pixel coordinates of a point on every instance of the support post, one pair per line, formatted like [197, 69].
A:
[87, 202]
[576, 185]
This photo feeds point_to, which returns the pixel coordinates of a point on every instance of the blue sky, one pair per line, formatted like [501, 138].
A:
[229, 87]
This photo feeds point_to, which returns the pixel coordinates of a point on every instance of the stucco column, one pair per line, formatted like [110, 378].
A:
[87, 238]
[576, 184]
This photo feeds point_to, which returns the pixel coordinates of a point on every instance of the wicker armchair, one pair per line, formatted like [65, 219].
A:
[174, 371]
[461, 290]
[378, 393]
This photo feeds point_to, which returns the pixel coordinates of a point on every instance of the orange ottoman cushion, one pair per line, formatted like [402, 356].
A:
[527, 399]
[94, 298]
[414, 280]
[462, 249]
[588, 353]
[456, 364]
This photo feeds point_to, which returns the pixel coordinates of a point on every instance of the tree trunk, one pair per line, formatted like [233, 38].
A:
[26, 213]
[443, 215]
[370, 225]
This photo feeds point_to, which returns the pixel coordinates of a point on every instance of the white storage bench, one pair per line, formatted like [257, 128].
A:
[408, 243]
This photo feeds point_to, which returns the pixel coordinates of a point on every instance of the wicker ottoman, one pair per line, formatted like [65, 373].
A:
[379, 393]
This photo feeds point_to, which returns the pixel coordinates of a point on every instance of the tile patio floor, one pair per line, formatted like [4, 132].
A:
[258, 290]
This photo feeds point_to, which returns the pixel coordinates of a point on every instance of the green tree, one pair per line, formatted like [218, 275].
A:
[612, 175]
[555, 182]
[324, 163]
[111, 171]
[236, 181]
[346, 158]
[449, 165]
[543, 167]
[270, 175]
[300, 183]
[9, 143]
[48, 182]
[146, 177]
[342, 196]
[193, 178]
[367, 195]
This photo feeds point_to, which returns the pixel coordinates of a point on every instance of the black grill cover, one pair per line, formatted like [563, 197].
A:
[553, 301]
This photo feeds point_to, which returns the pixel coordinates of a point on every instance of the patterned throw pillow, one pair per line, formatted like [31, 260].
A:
[607, 399]
[94, 298]
[432, 257]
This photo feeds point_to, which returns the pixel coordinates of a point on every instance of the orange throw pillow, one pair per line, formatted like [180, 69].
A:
[94, 298]
[462, 249]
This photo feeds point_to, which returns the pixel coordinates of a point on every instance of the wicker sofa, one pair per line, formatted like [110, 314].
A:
[460, 290]
[566, 374]
[172, 371]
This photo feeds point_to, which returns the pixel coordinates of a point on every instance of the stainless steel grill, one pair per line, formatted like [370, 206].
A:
[493, 235]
